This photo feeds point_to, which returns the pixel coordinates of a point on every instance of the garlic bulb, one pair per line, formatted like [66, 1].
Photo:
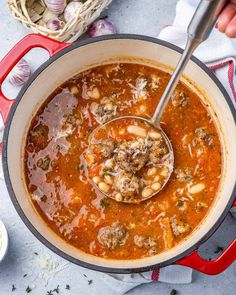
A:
[20, 73]
[101, 27]
[53, 24]
[71, 10]
[56, 6]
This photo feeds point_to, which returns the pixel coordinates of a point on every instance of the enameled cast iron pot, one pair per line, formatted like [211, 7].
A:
[67, 60]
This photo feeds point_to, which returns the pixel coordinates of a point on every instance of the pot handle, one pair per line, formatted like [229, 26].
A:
[15, 54]
[212, 267]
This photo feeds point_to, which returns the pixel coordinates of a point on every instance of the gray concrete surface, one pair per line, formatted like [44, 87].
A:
[46, 270]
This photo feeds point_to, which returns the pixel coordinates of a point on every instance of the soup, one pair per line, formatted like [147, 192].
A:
[57, 174]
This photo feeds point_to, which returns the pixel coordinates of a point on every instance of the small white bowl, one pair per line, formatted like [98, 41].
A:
[3, 241]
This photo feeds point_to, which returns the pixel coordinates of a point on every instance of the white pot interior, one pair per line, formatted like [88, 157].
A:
[106, 51]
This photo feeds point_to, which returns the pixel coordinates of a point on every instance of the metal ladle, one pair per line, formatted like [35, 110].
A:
[198, 31]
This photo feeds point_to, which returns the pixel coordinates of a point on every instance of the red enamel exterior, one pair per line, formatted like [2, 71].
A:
[212, 267]
[16, 53]
[52, 46]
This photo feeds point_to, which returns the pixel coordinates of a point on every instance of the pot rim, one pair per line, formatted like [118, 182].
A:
[12, 195]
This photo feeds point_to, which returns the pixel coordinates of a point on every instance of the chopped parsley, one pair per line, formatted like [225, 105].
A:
[219, 249]
[90, 282]
[107, 170]
[13, 288]
[173, 292]
[180, 203]
[25, 275]
[36, 253]
[67, 287]
[104, 204]
[28, 289]
[56, 289]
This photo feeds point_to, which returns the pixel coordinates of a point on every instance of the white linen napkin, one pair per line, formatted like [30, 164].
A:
[218, 53]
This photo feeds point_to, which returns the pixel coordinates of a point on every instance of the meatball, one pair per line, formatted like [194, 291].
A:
[131, 156]
[179, 99]
[178, 227]
[113, 236]
[104, 111]
[127, 184]
[203, 137]
[183, 175]
[105, 147]
[157, 150]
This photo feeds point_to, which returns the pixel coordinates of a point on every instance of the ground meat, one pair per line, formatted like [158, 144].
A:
[179, 99]
[44, 163]
[71, 119]
[183, 175]
[39, 136]
[200, 206]
[104, 111]
[156, 151]
[203, 137]
[105, 147]
[131, 156]
[146, 242]
[113, 236]
[127, 184]
[178, 227]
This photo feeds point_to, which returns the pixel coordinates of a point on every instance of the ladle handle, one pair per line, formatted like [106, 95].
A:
[198, 30]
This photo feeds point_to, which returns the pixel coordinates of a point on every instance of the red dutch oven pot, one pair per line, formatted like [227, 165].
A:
[65, 61]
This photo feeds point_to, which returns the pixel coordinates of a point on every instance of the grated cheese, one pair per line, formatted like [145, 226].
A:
[139, 90]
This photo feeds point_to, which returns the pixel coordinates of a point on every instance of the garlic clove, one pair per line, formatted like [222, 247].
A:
[72, 10]
[53, 24]
[56, 6]
[20, 73]
[101, 27]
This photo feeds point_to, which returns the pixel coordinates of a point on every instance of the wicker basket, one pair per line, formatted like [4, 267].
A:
[22, 11]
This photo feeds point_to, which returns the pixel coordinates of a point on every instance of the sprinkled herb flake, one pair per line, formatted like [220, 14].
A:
[104, 204]
[67, 287]
[13, 288]
[28, 289]
[219, 249]
[56, 290]
[173, 292]
[25, 275]
[36, 253]
[90, 282]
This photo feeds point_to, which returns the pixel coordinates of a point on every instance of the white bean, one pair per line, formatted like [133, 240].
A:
[104, 187]
[197, 188]
[152, 171]
[108, 179]
[142, 109]
[94, 93]
[154, 134]
[156, 178]
[96, 179]
[136, 130]
[118, 197]
[147, 192]
[74, 89]
[156, 186]
[165, 172]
